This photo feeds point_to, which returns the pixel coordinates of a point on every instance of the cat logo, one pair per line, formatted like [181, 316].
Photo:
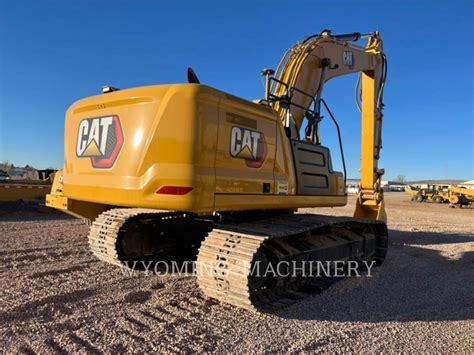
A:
[100, 139]
[249, 145]
[348, 59]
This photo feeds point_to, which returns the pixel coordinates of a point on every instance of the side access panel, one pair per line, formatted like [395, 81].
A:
[246, 144]
[313, 167]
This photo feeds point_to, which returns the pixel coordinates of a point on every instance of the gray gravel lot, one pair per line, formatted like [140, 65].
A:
[55, 296]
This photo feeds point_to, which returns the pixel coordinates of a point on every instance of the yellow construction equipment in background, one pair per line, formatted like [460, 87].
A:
[433, 193]
[454, 195]
[26, 189]
[175, 172]
[460, 196]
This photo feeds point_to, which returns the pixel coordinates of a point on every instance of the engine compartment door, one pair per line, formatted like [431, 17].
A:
[245, 149]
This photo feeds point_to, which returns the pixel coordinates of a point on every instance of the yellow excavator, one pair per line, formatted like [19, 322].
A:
[186, 171]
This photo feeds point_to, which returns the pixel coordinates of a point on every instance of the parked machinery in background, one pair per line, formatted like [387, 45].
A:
[26, 189]
[460, 196]
[456, 196]
[421, 194]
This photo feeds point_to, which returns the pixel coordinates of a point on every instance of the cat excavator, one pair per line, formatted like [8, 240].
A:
[184, 172]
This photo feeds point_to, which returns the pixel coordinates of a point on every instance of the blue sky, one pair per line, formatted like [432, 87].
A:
[55, 52]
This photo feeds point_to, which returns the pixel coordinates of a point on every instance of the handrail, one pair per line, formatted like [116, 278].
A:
[286, 101]
[339, 136]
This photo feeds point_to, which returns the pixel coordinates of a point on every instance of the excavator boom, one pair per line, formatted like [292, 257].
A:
[296, 94]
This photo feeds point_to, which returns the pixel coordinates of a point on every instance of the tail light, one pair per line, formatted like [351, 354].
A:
[174, 190]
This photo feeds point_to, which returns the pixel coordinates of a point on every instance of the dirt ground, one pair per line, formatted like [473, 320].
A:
[55, 297]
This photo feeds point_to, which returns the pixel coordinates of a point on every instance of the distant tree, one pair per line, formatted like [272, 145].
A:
[5, 164]
[400, 178]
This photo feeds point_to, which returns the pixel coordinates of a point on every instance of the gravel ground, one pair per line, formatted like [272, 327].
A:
[55, 297]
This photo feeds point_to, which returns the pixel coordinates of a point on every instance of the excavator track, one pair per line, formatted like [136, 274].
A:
[230, 252]
[113, 233]
[228, 255]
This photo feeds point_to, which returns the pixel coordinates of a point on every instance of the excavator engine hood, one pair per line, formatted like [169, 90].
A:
[132, 147]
